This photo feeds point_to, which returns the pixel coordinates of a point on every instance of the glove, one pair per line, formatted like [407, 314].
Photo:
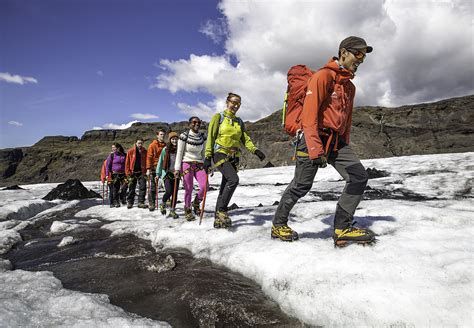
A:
[176, 174]
[207, 164]
[320, 161]
[148, 172]
[259, 154]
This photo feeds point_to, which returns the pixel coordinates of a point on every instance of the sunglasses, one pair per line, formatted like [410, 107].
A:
[196, 122]
[235, 102]
[357, 54]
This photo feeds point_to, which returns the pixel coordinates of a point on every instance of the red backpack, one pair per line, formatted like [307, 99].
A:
[298, 77]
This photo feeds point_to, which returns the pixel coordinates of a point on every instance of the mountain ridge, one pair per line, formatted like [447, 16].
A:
[445, 126]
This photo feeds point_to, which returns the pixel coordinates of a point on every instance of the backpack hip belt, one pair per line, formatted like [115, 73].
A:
[230, 151]
[331, 144]
[195, 166]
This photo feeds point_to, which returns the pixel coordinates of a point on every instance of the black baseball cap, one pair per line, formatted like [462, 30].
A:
[354, 42]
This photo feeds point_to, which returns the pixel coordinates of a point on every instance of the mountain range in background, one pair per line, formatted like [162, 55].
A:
[445, 126]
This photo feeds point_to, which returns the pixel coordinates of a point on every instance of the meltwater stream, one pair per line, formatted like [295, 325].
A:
[169, 285]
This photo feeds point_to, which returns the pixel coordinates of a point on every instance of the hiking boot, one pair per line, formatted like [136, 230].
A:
[353, 235]
[117, 204]
[124, 202]
[151, 208]
[129, 205]
[284, 233]
[173, 214]
[222, 220]
[112, 205]
[168, 203]
[196, 206]
[162, 209]
[142, 205]
[188, 214]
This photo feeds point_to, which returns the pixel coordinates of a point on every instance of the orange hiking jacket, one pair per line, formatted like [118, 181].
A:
[153, 154]
[130, 160]
[328, 104]
[102, 173]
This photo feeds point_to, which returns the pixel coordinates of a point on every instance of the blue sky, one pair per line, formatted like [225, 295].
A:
[70, 66]
[94, 62]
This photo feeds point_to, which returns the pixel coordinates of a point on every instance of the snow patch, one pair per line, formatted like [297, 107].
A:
[37, 299]
[66, 241]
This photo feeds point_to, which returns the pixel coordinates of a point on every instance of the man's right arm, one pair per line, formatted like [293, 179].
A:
[149, 157]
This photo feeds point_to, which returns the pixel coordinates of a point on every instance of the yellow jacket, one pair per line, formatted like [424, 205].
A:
[226, 133]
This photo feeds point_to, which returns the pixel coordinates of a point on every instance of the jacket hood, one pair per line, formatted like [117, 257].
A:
[342, 74]
[229, 113]
[156, 142]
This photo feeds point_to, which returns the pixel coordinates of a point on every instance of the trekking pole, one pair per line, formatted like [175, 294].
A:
[107, 190]
[149, 187]
[204, 199]
[157, 191]
[103, 193]
[175, 192]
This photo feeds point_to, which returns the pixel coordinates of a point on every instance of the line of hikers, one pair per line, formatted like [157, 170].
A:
[191, 155]
[317, 112]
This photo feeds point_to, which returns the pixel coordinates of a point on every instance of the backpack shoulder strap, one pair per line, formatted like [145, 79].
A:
[221, 119]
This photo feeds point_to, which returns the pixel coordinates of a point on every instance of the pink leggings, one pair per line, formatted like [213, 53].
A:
[194, 171]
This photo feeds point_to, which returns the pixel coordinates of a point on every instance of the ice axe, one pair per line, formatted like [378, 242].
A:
[203, 200]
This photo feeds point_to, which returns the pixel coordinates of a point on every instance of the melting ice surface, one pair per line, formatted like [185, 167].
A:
[419, 273]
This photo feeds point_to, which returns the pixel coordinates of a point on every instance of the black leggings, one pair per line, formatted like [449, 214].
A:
[117, 181]
[230, 180]
[169, 182]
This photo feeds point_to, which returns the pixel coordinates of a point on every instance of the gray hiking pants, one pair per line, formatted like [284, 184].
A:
[346, 162]
[132, 184]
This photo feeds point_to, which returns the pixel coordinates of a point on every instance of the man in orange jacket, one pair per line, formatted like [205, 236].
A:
[135, 170]
[104, 178]
[153, 154]
[326, 121]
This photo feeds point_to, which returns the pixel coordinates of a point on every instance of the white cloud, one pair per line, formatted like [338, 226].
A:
[113, 126]
[100, 73]
[15, 123]
[7, 77]
[417, 56]
[216, 30]
[140, 116]
[203, 111]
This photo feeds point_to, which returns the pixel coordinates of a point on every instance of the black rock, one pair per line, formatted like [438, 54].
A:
[276, 203]
[280, 184]
[70, 190]
[234, 206]
[14, 187]
[374, 173]
[260, 205]
[269, 164]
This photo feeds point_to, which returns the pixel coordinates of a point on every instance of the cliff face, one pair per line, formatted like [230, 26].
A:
[442, 127]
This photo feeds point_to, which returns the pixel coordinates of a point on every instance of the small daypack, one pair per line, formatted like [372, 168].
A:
[298, 77]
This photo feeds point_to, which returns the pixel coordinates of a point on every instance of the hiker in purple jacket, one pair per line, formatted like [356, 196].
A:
[115, 167]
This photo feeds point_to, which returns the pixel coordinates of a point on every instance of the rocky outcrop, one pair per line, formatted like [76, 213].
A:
[440, 127]
[9, 160]
[70, 190]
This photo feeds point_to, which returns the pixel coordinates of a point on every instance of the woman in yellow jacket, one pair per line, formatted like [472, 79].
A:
[226, 133]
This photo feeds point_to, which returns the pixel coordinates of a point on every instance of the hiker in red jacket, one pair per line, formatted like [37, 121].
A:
[153, 154]
[135, 170]
[325, 123]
